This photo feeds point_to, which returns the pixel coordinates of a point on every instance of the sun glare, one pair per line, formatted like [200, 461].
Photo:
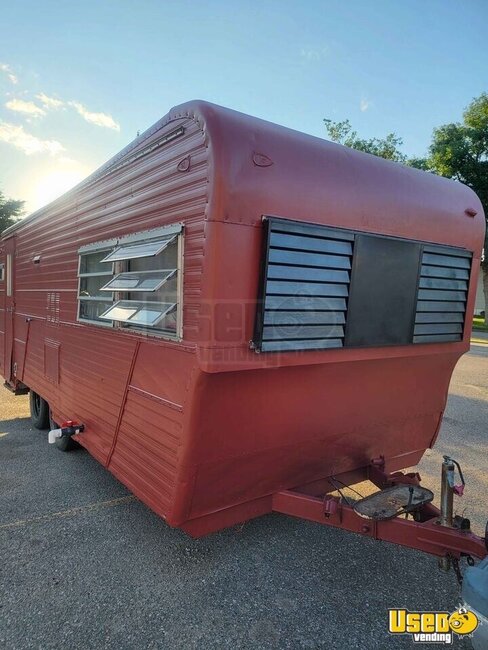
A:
[54, 184]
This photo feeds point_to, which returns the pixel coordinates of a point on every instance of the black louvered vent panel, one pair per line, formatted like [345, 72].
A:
[306, 287]
[391, 291]
[442, 294]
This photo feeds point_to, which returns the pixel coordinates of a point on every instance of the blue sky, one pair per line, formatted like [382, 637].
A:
[116, 66]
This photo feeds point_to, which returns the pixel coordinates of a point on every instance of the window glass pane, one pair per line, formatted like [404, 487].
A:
[138, 313]
[90, 263]
[147, 316]
[169, 323]
[152, 282]
[166, 259]
[120, 311]
[122, 281]
[91, 309]
[91, 286]
[166, 293]
[141, 281]
[139, 249]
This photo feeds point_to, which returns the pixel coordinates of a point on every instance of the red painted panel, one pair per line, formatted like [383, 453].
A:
[258, 431]
[146, 454]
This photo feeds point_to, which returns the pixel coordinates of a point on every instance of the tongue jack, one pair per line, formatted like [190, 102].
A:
[448, 490]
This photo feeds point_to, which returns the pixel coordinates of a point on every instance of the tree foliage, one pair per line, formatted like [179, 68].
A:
[458, 150]
[387, 147]
[10, 211]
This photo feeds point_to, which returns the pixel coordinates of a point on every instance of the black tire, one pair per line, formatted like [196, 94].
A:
[39, 410]
[66, 443]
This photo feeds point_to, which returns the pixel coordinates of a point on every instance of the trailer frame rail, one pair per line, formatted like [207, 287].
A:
[420, 530]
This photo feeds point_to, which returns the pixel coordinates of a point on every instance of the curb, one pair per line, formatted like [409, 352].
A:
[479, 341]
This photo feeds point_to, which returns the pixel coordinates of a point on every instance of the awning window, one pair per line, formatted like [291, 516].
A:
[139, 280]
[139, 249]
[133, 282]
[133, 312]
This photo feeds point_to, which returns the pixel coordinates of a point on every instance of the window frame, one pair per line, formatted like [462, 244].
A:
[163, 243]
[162, 281]
[121, 266]
[138, 306]
[81, 299]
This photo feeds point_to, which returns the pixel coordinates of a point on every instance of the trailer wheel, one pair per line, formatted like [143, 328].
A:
[39, 410]
[65, 443]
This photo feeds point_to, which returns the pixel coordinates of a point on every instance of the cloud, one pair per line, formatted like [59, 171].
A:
[364, 104]
[314, 53]
[50, 103]
[4, 67]
[100, 119]
[21, 106]
[26, 142]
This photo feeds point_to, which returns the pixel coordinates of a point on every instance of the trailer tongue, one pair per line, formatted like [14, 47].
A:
[400, 512]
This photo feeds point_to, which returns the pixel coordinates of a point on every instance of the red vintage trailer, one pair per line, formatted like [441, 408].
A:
[242, 318]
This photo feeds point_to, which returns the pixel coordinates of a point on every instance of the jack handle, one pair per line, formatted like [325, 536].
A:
[457, 489]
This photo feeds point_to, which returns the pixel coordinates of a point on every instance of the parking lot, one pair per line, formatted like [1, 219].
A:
[85, 565]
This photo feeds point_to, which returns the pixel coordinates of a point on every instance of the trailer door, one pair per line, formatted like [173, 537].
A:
[9, 307]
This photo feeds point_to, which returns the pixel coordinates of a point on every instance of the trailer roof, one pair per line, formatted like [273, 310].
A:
[261, 167]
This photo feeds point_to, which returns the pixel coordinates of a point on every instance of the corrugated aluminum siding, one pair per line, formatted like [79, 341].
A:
[153, 190]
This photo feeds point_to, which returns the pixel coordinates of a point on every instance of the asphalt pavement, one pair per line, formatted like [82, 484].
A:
[83, 564]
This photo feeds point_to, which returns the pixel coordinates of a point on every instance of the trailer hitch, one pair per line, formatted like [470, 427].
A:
[67, 429]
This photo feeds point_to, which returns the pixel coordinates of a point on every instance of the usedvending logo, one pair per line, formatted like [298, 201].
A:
[432, 627]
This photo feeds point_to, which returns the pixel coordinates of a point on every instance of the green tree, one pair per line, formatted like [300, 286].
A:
[10, 211]
[460, 151]
[387, 147]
